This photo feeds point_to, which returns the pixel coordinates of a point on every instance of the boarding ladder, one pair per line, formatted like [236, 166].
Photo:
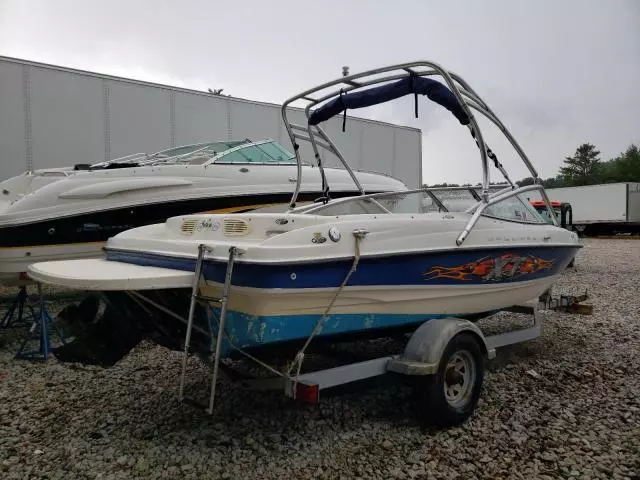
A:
[196, 297]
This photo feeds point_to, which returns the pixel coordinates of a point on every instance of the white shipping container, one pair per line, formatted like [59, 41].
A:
[54, 116]
[633, 209]
[605, 203]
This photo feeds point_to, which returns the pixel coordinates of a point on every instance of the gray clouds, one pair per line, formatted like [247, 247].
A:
[558, 73]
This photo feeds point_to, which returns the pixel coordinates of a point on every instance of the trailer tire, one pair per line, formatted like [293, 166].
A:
[451, 395]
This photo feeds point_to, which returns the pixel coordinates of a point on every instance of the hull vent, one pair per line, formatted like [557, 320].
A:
[233, 227]
[188, 227]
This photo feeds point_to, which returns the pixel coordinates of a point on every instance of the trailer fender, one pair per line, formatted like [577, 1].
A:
[427, 344]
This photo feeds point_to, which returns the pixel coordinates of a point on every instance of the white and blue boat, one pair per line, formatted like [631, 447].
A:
[368, 264]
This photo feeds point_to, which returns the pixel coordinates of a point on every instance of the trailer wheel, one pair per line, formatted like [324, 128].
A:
[450, 396]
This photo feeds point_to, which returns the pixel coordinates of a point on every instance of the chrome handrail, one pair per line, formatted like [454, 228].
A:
[482, 206]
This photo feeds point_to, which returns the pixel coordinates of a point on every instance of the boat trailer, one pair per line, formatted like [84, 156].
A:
[443, 357]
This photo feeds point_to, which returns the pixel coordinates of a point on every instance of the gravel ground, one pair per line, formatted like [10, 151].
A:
[578, 418]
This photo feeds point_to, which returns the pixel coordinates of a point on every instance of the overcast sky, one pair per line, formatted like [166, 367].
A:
[557, 72]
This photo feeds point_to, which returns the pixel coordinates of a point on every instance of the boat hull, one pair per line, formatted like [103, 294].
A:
[283, 284]
[271, 304]
[260, 317]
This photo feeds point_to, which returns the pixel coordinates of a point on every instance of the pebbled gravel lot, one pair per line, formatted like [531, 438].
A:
[577, 416]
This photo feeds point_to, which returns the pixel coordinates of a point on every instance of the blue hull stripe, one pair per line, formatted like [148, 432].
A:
[249, 331]
[453, 267]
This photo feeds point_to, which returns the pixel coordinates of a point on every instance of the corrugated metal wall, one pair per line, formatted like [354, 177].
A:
[52, 116]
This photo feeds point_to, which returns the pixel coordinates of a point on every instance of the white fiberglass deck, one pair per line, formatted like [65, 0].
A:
[101, 274]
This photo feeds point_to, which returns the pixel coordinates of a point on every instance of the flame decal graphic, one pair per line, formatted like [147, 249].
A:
[491, 268]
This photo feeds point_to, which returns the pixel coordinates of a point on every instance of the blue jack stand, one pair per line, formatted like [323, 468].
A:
[42, 321]
[10, 319]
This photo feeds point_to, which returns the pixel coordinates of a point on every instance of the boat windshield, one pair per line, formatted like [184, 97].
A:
[239, 151]
[193, 154]
[516, 209]
[400, 202]
[513, 208]
[455, 199]
[544, 213]
[268, 153]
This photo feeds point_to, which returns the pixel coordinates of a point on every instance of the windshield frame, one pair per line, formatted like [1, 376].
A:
[476, 210]
[208, 150]
[219, 159]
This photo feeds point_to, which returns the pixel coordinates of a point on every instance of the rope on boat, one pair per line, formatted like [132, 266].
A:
[359, 235]
[299, 358]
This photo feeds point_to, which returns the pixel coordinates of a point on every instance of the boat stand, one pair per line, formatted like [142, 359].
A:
[39, 330]
[567, 303]
[15, 314]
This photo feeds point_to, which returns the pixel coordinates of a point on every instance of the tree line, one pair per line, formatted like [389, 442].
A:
[586, 167]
